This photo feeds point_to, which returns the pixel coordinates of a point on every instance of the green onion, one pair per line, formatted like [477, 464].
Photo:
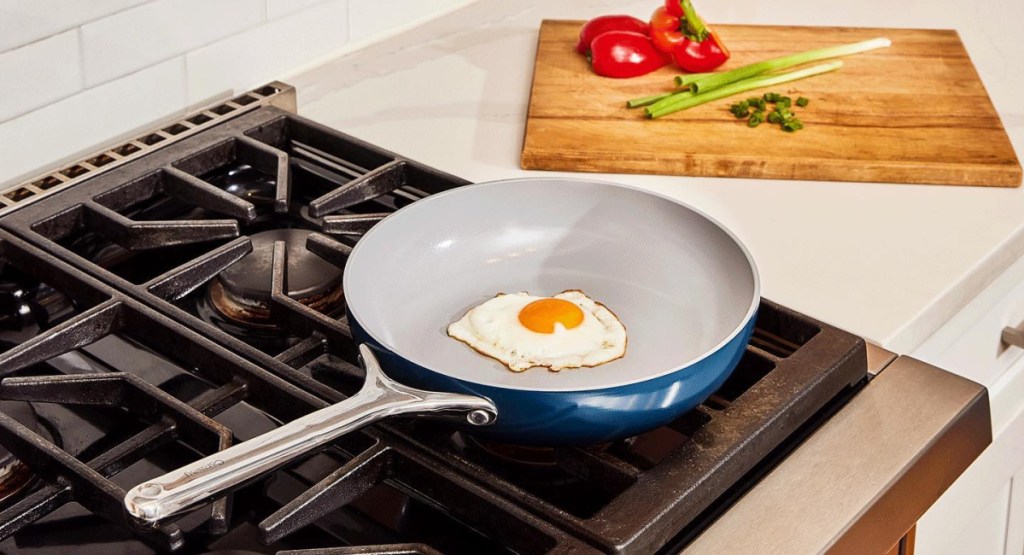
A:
[648, 100]
[716, 80]
[792, 125]
[670, 105]
[683, 80]
[802, 102]
[669, 101]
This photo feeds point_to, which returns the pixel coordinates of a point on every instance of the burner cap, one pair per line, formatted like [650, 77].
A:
[245, 182]
[242, 291]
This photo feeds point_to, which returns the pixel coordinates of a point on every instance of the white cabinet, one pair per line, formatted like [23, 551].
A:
[983, 511]
[970, 344]
[976, 510]
[1015, 529]
[982, 534]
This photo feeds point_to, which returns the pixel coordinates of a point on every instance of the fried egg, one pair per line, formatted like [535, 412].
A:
[567, 330]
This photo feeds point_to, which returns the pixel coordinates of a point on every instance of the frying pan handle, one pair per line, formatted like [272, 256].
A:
[176, 491]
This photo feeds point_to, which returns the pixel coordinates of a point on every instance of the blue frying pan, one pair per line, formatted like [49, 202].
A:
[684, 287]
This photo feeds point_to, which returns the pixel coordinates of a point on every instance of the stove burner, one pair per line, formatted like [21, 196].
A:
[242, 292]
[26, 307]
[535, 468]
[15, 476]
[245, 182]
[517, 455]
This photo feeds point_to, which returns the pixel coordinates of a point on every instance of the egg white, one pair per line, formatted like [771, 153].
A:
[493, 329]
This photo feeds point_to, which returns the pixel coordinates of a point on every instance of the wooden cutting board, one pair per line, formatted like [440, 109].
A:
[912, 113]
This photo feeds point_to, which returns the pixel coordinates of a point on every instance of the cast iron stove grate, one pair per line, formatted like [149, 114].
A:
[276, 193]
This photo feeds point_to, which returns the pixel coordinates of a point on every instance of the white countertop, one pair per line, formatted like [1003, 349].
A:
[889, 262]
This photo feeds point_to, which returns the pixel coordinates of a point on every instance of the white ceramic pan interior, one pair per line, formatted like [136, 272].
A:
[681, 284]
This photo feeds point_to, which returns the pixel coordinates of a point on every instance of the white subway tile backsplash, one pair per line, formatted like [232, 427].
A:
[24, 21]
[139, 37]
[262, 54]
[37, 74]
[373, 17]
[281, 8]
[90, 118]
[79, 74]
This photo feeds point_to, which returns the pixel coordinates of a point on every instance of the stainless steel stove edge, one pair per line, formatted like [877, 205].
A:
[860, 482]
[878, 358]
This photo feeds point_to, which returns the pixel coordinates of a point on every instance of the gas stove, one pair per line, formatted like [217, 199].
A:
[147, 319]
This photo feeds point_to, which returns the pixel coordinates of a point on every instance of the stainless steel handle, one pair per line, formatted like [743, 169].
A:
[380, 397]
[1014, 336]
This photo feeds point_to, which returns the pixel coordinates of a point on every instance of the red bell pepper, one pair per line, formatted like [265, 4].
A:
[665, 30]
[625, 54]
[674, 7]
[677, 29]
[605, 23]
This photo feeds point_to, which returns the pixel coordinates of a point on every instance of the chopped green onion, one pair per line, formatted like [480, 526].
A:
[775, 117]
[739, 111]
[674, 104]
[792, 125]
[802, 102]
[717, 80]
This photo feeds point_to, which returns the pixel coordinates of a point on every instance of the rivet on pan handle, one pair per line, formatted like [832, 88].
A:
[380, 397]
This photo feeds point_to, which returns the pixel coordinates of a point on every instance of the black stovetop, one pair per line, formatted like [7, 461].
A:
[145, 319]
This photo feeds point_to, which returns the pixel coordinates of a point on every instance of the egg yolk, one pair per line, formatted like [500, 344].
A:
[541, 315]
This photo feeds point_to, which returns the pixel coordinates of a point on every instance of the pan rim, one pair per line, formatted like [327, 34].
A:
[736, 331]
